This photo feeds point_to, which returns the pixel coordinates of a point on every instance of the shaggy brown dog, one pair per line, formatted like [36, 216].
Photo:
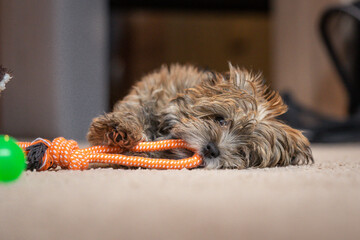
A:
[230, 119]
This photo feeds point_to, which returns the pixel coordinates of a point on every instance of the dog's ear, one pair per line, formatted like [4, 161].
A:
[269, 102]
[276, 144]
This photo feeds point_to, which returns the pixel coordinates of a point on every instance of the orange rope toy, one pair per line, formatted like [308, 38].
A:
[43, 154]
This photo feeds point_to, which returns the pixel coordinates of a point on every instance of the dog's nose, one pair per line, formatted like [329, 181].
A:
[211, 150]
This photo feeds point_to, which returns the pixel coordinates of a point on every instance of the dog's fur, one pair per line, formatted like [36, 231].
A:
[230, 118]
[5, 77]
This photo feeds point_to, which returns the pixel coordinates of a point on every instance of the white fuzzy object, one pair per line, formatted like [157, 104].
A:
[3, 81]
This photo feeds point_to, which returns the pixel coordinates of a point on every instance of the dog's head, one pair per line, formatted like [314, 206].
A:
[230, 120]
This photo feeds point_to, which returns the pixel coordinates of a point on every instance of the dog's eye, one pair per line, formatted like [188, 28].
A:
[220, 120]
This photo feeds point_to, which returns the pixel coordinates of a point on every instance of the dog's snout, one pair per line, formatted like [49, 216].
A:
[211, 150]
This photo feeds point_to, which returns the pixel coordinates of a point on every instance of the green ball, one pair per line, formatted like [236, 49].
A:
[12, 159]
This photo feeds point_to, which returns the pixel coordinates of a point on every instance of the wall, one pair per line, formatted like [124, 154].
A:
[57, 51]
[301, 65]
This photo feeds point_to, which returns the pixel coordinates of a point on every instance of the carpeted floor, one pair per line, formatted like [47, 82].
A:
[321, 201]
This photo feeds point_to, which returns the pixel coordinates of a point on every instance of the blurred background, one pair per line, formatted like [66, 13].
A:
[72, 60]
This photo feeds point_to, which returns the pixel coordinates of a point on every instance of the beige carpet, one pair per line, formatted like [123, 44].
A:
[321, 201]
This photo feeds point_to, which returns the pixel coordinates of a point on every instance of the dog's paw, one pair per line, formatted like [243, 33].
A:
[115, 129]
[125, 137]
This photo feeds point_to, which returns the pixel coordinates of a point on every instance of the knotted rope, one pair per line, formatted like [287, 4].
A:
[43, 154]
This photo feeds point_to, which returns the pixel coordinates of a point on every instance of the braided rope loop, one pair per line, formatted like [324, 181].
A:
[67, 155]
